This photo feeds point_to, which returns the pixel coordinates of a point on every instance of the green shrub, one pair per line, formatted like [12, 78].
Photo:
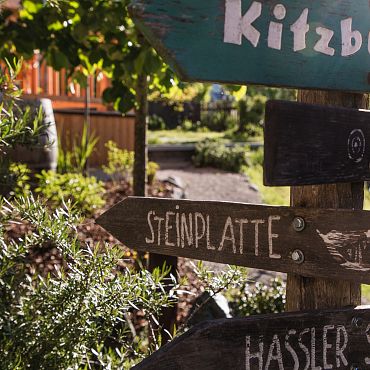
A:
[219, 120]
[152, 169]
[257, 157]
[156, 123]
[75, 161]
[79, 316]
[14, 178]
[259, 299]
[215, 154]
[84, 192]
[120, 162]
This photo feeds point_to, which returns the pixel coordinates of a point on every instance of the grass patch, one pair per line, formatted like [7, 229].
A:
[276, 196]
[181, 137]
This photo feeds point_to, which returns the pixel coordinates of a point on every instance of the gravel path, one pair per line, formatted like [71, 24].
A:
[212, 184]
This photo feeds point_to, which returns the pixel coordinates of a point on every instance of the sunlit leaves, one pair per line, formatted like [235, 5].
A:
[98, 35]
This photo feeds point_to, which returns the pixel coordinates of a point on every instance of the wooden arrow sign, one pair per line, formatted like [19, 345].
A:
[311, 44]
[307, 144]
[317, 340]
[312, 242]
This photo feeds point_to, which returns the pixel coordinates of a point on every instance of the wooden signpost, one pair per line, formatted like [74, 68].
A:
[309, 144]
[271, 238]
[321, 340]
[320, 44]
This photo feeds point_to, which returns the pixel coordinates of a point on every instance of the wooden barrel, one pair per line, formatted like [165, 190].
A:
[43, 155]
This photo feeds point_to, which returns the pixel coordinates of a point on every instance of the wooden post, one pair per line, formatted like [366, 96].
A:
[311, 293]
[140, 135]
[168, 319]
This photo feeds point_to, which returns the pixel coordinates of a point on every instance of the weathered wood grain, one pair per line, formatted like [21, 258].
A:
[334, 244]
[311, 144]
[312, 293]
[336, 339]
[310, 44]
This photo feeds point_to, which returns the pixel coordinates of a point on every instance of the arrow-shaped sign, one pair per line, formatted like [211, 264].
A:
[310, 144]
[312, 242]
[311, 44]
[306, 340]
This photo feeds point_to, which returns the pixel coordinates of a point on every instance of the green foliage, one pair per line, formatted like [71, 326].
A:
[217, 282]
[87, 37]
[120, 162]
[215, 154]
[277, 196]
[84, 192]
[14, 178]
[16, 126]
[152, 169]
[218, 119]
[75, 161]
[79, 316]
[249, 300]
[190, 126]
[21, 176]
[156, 123]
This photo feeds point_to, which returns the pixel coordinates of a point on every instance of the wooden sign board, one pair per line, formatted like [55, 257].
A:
[311, 242]
[316, 340]
[307, 144]
[310, 44]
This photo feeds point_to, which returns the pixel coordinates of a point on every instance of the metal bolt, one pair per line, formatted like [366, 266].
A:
[299, 224]
[298, 256]
[357, 322]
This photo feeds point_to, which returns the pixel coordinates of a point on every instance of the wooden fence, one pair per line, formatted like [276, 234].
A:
[37, 79]
[105, 125]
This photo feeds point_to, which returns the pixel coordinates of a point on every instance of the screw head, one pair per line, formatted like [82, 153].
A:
[299, 224]
[298, 256]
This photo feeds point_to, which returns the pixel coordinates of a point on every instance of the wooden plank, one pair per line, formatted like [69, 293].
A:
[332, 243]
[310, 144]
[337, 339]
[309, 44]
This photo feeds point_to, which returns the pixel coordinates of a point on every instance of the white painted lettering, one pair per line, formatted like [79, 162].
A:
[168, 228]
[159, 220]
[313, 350]
[300, 29]
[236, 26]
[304, 348]
[151, 240]
[351, 40]
[250, 356]
[231, 238]
[367, 359]
[277, 356]
[241, 223]
[199, 236]
[276, 29]
[186, 230]
[256, 234]
[290, 349]
[272, 236]
[339, 349]
[178, 227]
[326, 346]
[209, 246]
[322, 46]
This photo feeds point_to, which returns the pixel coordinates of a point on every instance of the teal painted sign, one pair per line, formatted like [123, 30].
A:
[322, 44]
